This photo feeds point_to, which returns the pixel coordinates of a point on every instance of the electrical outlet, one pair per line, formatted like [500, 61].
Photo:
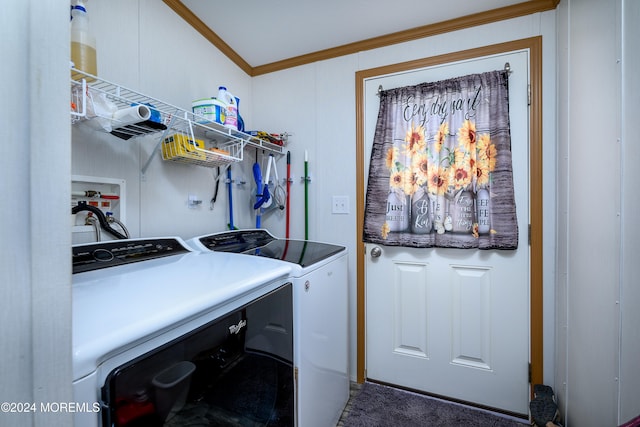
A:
[340, 204]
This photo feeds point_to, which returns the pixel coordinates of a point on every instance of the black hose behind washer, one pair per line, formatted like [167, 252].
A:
[102, 219]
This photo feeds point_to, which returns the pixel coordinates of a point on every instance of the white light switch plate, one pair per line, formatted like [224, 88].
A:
[340, 204]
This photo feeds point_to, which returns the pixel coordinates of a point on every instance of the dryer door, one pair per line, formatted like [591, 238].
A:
[210, 376]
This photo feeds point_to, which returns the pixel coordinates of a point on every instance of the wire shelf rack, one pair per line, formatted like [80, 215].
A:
[221, 145]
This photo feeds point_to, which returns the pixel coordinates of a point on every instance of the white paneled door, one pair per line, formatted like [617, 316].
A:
[454, 322]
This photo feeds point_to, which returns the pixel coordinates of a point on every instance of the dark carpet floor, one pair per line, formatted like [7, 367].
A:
[374, 405]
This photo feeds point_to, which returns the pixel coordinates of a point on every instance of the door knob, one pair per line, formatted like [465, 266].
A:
[376, 252]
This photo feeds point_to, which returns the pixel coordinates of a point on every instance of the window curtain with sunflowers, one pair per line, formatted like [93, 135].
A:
[440, 173]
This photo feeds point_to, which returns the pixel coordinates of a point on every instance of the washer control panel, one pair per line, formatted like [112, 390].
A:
[119, 252]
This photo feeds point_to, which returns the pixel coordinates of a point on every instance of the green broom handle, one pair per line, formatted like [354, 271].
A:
[306, 196]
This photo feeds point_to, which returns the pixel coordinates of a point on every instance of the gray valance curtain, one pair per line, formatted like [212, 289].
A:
[440, 173]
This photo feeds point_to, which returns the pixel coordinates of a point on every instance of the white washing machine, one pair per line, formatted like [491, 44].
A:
[164, 335]
[320, 300]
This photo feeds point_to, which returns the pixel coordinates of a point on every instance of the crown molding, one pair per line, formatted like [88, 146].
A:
[508, 12]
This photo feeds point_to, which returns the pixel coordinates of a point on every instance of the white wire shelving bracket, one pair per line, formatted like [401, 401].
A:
[225, 145]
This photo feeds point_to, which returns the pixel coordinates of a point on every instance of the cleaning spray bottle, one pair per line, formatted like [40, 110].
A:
[231, 117]
[83, 43]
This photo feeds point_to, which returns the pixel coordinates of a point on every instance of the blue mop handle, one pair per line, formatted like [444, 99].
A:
[257, 176]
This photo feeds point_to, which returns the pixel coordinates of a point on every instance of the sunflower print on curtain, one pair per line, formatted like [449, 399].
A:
[440, 173]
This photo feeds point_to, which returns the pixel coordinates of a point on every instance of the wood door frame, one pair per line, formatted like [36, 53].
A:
[534, 46]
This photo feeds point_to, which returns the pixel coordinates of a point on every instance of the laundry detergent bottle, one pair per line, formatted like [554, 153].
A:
[83, 43]
[231, 116]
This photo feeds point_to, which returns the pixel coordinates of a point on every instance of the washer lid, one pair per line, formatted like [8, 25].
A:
[302, 252]
[261, 243]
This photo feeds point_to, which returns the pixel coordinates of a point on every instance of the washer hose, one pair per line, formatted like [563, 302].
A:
[111, 218]
[101, 218]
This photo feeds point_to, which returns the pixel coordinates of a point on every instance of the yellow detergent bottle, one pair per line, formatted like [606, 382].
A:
[83, 43]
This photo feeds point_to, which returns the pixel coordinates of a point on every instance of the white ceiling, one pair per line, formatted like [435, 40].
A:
[266, 31]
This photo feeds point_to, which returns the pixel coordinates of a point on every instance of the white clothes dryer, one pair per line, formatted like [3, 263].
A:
[320, 299]
[162, 332]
